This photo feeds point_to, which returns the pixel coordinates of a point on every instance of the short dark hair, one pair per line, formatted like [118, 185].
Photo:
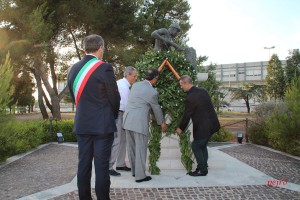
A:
[151, 74]
[92, 43]
[186, 79]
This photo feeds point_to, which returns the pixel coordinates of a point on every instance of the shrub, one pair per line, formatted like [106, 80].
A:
[277, 124]
[264, 110]
[6, 145]
[65, 127]
[258, 133]
[18, 137]
[284, 123]
[223, 135]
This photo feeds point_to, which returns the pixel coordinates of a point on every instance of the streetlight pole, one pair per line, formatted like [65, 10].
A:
[269, 48]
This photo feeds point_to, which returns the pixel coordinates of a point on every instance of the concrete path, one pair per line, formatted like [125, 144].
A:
[235, 172]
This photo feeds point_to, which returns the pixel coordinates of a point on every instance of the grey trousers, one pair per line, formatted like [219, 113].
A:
[137, 144]
[118, 151]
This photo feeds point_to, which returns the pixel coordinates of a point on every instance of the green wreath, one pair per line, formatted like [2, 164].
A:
[171, 99]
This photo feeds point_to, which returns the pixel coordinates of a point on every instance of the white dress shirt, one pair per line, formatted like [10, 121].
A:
[123, 86]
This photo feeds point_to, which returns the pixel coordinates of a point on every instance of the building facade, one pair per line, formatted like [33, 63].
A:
[232, 75]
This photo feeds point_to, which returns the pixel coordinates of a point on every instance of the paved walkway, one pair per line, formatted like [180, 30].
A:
[235, 172]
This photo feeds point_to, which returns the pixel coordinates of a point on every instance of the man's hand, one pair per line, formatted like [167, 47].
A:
[163, 127]
[178, 131]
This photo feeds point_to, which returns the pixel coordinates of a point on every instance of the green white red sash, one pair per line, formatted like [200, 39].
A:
[83, 76]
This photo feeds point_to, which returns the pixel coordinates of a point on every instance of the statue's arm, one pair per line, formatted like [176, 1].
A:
[178, 47]
[157, 34]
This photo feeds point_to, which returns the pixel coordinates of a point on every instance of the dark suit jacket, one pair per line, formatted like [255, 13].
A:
[199, 108]
[100, 100]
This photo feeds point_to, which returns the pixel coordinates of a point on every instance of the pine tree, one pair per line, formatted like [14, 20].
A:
[6, 89]
[39, 29]
[292, 68]
[275, 78]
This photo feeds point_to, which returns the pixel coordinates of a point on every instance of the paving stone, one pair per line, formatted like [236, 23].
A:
[50, 166]
[274, 164]
[55, 165]
[255, 192]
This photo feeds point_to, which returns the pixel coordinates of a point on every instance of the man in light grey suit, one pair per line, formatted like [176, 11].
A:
[143, 98]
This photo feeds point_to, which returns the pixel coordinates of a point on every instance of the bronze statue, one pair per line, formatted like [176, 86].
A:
[164, 38]
[164, 41]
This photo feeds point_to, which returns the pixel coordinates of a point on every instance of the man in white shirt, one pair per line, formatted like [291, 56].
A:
[118, 151]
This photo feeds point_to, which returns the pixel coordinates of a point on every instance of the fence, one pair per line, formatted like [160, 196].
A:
[238, 129]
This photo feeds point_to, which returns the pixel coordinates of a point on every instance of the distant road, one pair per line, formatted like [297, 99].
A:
[38, 116]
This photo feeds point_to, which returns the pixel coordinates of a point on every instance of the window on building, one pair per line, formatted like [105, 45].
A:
[253, 72]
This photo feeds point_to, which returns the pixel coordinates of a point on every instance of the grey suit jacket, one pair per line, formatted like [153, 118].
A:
[142, 98]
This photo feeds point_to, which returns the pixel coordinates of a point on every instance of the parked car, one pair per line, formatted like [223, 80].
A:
[224, 108]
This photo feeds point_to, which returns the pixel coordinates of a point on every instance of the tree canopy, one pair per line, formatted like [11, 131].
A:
[44, 37]
[292, 66]
[275, 78]
[211, 84]
[6, 88]
[246, 92]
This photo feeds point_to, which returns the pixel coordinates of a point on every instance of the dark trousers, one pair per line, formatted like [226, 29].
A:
[97, 147]
[199, 148]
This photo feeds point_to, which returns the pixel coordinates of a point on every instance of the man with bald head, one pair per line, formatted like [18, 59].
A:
[199, 108]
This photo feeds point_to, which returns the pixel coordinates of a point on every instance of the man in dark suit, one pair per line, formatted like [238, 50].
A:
[93, 87]
[199, 108]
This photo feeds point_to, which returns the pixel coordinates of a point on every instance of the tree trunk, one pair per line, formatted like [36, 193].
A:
[31, 106]
[41, 102]
[36, 73]
[248, 105]
[47, 101]
[62, 94]
[56, 108]
[75, 44]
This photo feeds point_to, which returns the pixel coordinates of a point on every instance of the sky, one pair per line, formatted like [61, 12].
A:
[237, 31]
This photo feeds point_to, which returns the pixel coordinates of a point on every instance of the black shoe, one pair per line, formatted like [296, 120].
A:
[124, 168]
[148, 178]
[114, 173]
[198, 173]
[133, 175]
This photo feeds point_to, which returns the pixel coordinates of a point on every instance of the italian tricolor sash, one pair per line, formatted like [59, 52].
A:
[83, 76]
